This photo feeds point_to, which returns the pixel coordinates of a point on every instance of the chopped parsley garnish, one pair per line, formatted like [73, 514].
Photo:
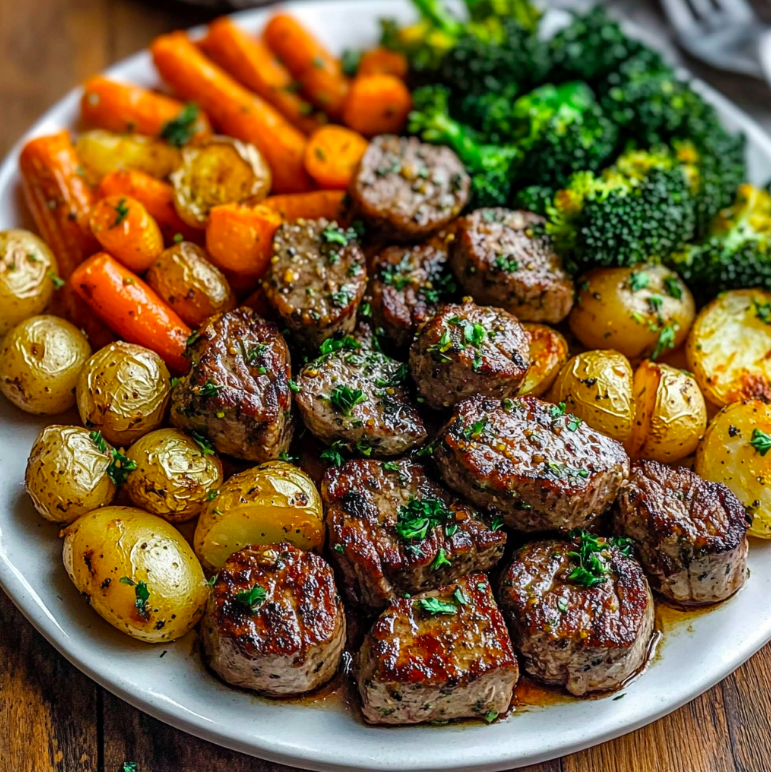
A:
[175, 382]
[212, 494]
[253, 354]
[460, 597]
[673, 287]
[490, 716]
[592, 557]
[666, 341]
[419, 516]
[57, 281]
[760, 441]
[343, 297]
[506, 264]
[294, 386]
[474, 431]
[252, 599]
[363, 447]
[440, 560]
[390, 466]
[561, 470]
[178, 238]
[289, 459]
[192, 338]
[180, 130]
[441, 286]
[131, 766]
[346, 343]
[344, 398]
[332, 454]
[334, 234]
[762, 311]
[562, 606]
[209, 389]
[121, 212]
[397, 276]
[438, 350]
[638, 280]
[206, 447]
[473, 333]
[557, 411]
[349, 62]
[119, 467]
[141, 594]
[435, 606]
[497, 523]
[99, 441]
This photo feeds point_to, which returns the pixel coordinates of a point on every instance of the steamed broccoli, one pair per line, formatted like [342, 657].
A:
[534, 198]
[737, 252]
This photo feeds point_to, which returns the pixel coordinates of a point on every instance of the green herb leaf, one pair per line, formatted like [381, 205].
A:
[346, 343]
[343, 297]
[212, 494]
[209, 389]
[294, 386]
[638, 280]
[252, 599]
[419, 516]
[474, 432]
[673, 287]
[119, 467]
[760, 441]
[490, 716]
[121, 212]
[389, 466]
[203, 443]
[762, 311]
[460, 597]
[288, 458]
[130, 766]
[506, 264]
[334, 234]
[349, 62]
[557, 411]
[440, 560]
[180, 130]
[666, 341]
[344, 398]
[99, 441]
[591, 556]
[141, 594]
[57, 281]
[562, 606]
[434, 606]
[332, 454]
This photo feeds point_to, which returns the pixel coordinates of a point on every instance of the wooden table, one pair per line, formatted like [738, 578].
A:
[53, 718]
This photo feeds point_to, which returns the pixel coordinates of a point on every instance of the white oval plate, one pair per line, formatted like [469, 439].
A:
[178, 690]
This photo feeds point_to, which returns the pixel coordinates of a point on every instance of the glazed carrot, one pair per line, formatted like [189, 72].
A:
[120, 107]
[383, 61]
[156, 196]
[127, 231]
[234, 109]
[377, 104]
[253, 64]
[332, 155]
[131, 308]
[239, 238]
[329, 204]
[310, 63]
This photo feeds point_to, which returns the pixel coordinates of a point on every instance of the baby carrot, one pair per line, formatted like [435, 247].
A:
[131, 308]
[329, 204]
[253, 64]
[377, 104]
[235, 110]
[383, 61]
[120, 107]
[127, 231]
[332, 155]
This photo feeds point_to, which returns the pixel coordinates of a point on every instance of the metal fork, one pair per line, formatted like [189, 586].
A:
[726, 34]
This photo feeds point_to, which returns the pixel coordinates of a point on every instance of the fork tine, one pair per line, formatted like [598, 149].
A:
[680, 16]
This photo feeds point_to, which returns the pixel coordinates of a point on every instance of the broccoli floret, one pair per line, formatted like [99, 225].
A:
[491, 113]
[737, 253]
[534, 198]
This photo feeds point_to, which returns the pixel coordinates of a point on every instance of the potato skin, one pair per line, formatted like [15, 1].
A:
[670, 413]
[194, 287]
[173, 476]
[548, 353]
[40, 361]
[26, 268]
[123, 391]
[66, 474]
[728, 347]
[115, 543]
[596, 386]
[269, 503]
[610, 313]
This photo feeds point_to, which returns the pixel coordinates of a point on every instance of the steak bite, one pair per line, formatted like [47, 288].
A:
[393, 531]
[542, 469]
[407, 189]
[237, 391]
[274, 621]
[500, 260]
[409, 284]
[466, 350]
[581, 613]
[316, 279]
[441, 655]
[690, 534]
[356, 396]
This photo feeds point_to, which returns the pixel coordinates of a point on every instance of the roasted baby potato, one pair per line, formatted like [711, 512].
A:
[220, 171]
[729, 344]
[270, 503]
[190, 284]
[123, 391]
[670, 413]
[174, 475]
[68, 473]
[28, 270]
[40, 361]
[596, 386]
[548, 352]
[640, 312]
[101, 152]
[137, 571]
[734, 452]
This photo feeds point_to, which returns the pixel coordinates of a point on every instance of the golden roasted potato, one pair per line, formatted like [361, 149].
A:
[174, 476]
[137, 571]
[68, 473]
[28, 270]
[219, 171]
[195, 288]
[734, 452]
[123, 391]
[596, 386]
[40, 361]
[640, 312]
[548, 352]
[728, 348]
[101, 152]
[270, 503]
[670, 413]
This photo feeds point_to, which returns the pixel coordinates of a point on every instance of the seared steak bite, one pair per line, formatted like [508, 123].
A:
[237, 391]
[580, 612]
[393, 531]
[690, 534]
[500, 260]
[407, 189]
[466, 350]
[544, 470]
[441, 655]
[316, 278]
[355, 395]
[274, 621]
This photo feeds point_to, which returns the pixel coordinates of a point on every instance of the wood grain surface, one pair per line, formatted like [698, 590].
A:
[53, 718]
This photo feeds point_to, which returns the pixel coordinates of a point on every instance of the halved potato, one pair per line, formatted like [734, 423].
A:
[729, 345]
[735, 452]
[548, 352]
[270, 503]
[670, 413]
